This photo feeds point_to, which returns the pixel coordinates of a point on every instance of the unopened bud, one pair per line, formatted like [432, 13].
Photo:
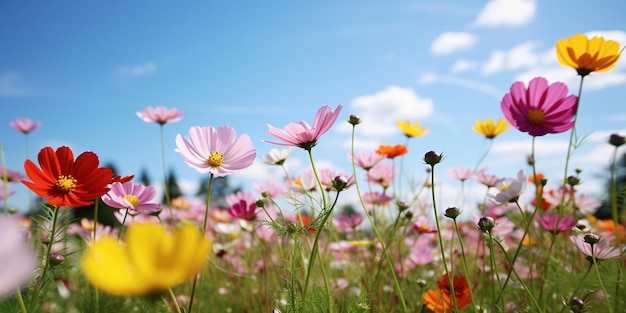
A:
[617, 140]
[576, 305]
[486, 224]
[354, 119]
[591, 238]
[431, 158]
[340, 183]
[573, 181]
[453, 212]
[402, 205]
[260, 203]
[56, 258]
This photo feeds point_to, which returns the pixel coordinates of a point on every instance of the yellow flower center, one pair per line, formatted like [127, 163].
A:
[535, 116]
[134, 201]
[504, 186]
[215, 159]
[66, 183]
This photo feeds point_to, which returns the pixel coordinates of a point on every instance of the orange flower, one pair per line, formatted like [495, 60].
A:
[440, 300]
[588, 55]
[305, 220]
[65, 181]
[536, 179]
[392, 151]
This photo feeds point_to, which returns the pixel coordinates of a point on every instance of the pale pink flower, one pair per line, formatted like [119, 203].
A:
[381, 174]
[487, 180]
[135, 197]
[366, 159]
[555, 224]
[460, 173]
[301, 134]
[160, 115]
[17, 259]
[10, 175]
[376, 198]
[216, 151]
[602, 250]
[329, 179]
[271, 188]
[8, 193]
[423, 225]
[510, 189]
[24, 125]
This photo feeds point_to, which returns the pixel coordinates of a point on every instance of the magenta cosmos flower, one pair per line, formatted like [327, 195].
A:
[216, 151]
[556, 224]
[541, 108]
[24, 125]
[135, 197]
[160, 115]
[301, 134]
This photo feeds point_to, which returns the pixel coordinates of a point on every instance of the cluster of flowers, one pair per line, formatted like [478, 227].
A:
[161, 246]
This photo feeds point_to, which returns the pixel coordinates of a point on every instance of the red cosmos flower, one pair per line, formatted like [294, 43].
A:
[65, 181]
[440, 300]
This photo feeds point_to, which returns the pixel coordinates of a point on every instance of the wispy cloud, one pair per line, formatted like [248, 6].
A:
[137, 70]
[11, 85]
[463, 65]
[431, 78]
[506, 13]
[449, 42]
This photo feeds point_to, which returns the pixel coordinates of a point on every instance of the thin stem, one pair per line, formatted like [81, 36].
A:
[464, 263]
[46, 264]
[606, 294]
[20, 300]
[492, 259]
[571, 137]
[204, 224]
[174, 300]
[530, 295]
[375, 229]
[95, 219]
[440, 239]
[482, 158]
[580, 283]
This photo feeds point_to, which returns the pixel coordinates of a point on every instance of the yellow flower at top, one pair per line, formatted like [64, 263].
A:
[490, 129]
[588, 55]
[151, 261]
[412, 130]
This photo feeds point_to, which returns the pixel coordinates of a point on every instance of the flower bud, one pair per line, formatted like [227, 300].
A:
[617, 140]
[591, 238]
[260, 203]
[453, 212]
[402, 205]
[56, 258]
[576, 305]
[422, 283]
[340, 183]
[431, 158]
[354, 119]
[573, 181]
[486, 224]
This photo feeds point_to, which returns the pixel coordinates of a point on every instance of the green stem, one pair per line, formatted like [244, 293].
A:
[580, 283]
[571, 138]
[204, 225]
[166, 187]
[606, 294]
[492, 259]
[46, 264]
[464, 263]
[174, 300]
[375, 230]
[440, 239]
[530, 295]
[20, 300]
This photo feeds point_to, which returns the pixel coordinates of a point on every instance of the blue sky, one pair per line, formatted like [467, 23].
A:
[85, 68]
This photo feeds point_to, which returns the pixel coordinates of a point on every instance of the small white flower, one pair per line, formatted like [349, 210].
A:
[510, 189]
[276, 157]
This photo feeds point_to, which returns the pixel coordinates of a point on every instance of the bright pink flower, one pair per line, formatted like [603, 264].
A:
[461, 173]
[423, 225]
[366, 159]
[271, 188]
[301, 134]
[24, 125]
[555, 224]
[541, 108]
[160, 115]
[135, 197]
[243, 210]
[216, 151]
[348, 222]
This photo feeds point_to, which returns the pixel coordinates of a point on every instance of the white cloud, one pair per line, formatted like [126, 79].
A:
[381, 110]
[506, 13]
[463, 65]
[450, 42]
[519, 57]
[137, 70]
[431, 78]
[11, 85]
[617, 35]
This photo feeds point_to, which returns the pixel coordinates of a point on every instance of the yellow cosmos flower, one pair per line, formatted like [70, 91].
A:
[490, 129]
[412, 130]
[151, 260]
[588, 55]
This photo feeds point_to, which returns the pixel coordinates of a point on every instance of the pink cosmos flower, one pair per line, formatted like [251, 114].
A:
[348, 222]
[301, 134]
[460, 173]
[243, 210]
[216, 151]
[555, 224]
[330, 179]
[17, 259]
[236, 197]
[135, 197]
[11, 176]
[24, 125]
[510, 189]
[271, 188]
[8, 193]
[423, 225]
[487, 180]
[366, 159]
[541, 108]
[602, 250]
[160, 115]
[381, 174]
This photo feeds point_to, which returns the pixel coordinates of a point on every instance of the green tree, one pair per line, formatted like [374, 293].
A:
[172, 187]
[219, 190]
[604, 212]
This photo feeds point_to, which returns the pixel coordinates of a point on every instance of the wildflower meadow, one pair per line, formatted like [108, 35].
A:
[531, 243]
